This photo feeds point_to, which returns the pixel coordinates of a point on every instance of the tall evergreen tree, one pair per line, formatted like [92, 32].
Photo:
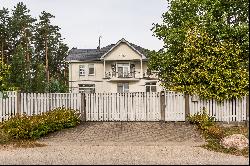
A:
[4, 34]
[19, 72]
[28, 46]
[49, 46]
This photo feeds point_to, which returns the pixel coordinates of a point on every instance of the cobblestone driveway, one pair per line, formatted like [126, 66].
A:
[121, 143]
[128, 133]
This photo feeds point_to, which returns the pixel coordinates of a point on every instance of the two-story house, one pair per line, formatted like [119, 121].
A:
[120, 67]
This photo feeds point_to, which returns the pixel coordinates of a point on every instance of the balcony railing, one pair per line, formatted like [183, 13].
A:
[120, 74]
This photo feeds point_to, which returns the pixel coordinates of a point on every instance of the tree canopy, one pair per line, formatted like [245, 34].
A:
[206, 48]
[27, 44]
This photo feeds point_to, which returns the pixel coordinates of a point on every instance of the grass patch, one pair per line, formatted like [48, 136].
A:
[213, 133]
[214, 143]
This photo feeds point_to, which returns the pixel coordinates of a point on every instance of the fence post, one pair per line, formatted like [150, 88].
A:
[18, 103]
[83, 107]
[163, 105]
[247, 111]
[187, 108]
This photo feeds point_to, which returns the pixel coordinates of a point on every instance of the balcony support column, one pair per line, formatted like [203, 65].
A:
[141, 74]
[104, 70]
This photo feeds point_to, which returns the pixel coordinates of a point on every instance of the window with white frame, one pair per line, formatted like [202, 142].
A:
[86, 88]
[91, 69]
[122, 87]
[86, 69]
[82, 70]
[150, 86]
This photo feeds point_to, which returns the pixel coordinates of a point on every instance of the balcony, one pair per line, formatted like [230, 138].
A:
[122, 76]
[150, 75]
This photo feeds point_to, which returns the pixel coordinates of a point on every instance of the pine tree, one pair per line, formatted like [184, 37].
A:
[4, 33]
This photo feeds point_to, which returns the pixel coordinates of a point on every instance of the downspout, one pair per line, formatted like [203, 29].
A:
[104, 71]
[71, 76]
[141, 70]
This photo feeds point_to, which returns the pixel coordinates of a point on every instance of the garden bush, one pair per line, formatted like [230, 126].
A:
[214, 132]
[202, 120]
[33, 127]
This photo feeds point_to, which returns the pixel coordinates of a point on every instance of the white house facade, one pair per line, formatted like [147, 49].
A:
[116, 68]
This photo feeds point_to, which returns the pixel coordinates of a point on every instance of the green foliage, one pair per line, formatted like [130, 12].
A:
[39, 81]
[33, 127]
[206, 48]
[47, 33]
[4, 138]
[4, 74]
[202, 120]
[20, 76]
[214, 132]
[56, 86]
[22, 46]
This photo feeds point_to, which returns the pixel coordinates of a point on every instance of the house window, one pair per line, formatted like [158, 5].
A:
[86, 88]
[82, 70]
[87, 68]
[122, 87]
[91, 69]
[123, 69]
[150, 87]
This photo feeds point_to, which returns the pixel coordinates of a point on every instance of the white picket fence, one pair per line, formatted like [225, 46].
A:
[8, 106]
[227, 110]
[175, 106]
[138, 106]
[37, 103]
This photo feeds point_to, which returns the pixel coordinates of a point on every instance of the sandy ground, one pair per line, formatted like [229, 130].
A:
[116, 155]
[119, 144]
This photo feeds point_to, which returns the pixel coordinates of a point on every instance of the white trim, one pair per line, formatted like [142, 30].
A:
[120, 41]
[83, 67]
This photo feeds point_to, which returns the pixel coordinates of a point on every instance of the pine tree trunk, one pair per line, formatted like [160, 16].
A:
[28, 63]
[2, 52]
[47, 61]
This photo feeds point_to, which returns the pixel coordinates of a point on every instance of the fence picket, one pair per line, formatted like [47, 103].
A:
[136, 106]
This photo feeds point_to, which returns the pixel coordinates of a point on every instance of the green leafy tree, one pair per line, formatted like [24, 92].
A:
[206, 48]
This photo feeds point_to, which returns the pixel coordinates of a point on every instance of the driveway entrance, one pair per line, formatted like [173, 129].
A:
[128, 133]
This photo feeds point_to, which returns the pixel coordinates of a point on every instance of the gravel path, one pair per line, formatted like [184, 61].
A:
[109, 146]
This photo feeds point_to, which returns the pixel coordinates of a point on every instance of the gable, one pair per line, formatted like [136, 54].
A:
[122, 52]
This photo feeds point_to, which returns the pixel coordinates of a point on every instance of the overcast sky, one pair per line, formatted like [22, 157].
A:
[82, 21]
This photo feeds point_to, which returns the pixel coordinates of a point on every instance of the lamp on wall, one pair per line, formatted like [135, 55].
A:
[113, 67]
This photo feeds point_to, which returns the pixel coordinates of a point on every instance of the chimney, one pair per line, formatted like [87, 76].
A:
[99, 46]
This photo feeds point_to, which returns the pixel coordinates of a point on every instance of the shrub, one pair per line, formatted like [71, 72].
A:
[202, 120]
[33, 127]
[214, 132]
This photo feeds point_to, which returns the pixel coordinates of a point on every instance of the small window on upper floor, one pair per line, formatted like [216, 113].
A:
[91, 69]
[82, 70]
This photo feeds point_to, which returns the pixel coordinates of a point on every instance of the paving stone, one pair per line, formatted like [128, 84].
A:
[128, 132]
